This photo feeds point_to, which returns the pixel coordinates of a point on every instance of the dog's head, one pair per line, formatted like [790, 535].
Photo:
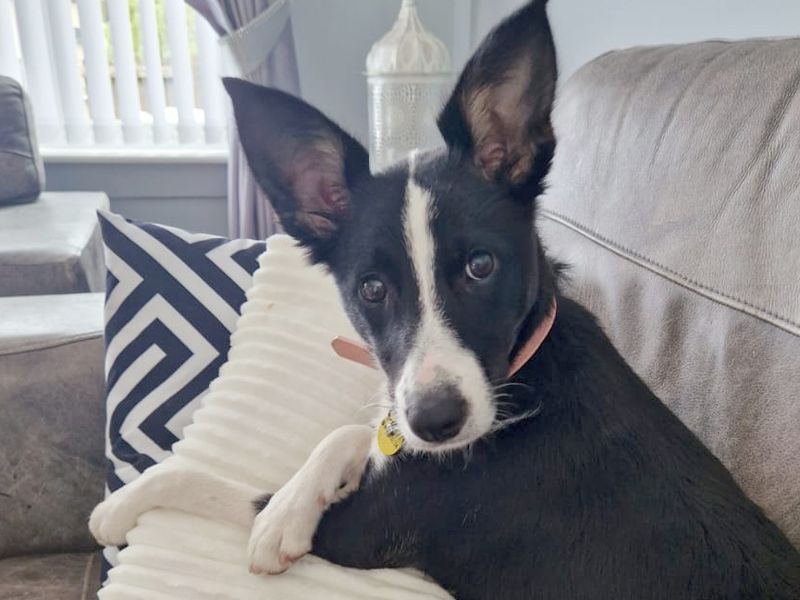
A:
[436, 259]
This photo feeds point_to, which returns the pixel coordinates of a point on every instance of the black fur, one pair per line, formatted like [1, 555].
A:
[605, 493]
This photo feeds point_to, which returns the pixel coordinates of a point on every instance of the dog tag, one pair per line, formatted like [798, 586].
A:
[390, 440]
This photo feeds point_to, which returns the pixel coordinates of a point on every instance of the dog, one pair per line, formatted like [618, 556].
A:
[522, 457]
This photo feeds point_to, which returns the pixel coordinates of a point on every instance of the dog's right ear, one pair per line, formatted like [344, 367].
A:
[304, 162]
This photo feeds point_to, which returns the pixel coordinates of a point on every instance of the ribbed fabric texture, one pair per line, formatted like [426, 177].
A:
[282, 390]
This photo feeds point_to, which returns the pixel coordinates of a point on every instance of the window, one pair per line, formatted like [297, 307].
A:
[109, 74]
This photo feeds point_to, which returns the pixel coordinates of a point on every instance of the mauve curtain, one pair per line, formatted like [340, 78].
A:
[249, 212]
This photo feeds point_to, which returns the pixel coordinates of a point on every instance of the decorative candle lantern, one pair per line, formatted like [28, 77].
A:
[408, 73]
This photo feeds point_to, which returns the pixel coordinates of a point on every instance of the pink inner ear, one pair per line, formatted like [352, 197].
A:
[492, 156]
[500, 116]
[316, 177]
[334, 195]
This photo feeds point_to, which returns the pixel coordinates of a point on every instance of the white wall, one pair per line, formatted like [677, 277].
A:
[585, 29]
[190, 195]
[333, 38]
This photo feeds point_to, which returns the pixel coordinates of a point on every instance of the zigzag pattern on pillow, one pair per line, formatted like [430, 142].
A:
[172, 301]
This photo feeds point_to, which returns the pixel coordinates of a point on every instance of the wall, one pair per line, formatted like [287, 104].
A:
[333, 38]
[585, 29]
[190, 195]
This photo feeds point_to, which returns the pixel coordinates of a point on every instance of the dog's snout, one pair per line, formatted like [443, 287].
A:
[437, 415]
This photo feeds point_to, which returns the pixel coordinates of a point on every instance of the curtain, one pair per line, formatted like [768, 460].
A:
[258, 37]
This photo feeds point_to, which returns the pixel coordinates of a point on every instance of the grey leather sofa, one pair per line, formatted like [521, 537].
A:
[675, 194]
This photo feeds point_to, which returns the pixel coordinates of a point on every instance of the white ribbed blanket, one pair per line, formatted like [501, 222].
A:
[280, 393]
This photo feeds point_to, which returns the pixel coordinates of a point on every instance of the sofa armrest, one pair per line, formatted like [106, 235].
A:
[52, 419]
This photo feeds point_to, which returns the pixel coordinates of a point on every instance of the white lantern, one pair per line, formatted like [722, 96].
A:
[408, 74]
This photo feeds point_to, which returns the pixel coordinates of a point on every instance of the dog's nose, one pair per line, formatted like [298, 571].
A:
[437, 415]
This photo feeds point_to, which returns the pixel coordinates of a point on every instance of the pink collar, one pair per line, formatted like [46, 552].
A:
[534, 342]
[361, 354]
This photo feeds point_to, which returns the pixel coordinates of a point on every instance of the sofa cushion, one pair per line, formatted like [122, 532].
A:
[50, 577]
[51, 421]
[21, 167]
[282, 390]
[675, 194]
[52, 246]
[173, 299]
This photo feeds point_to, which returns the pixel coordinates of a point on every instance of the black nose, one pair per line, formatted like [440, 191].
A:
[437, 415]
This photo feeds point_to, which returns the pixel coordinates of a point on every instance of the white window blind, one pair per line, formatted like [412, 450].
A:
[115, 73]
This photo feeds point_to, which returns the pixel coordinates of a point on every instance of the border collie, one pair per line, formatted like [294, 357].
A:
[573, 479]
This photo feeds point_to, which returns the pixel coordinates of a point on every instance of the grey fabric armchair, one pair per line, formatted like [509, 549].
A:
[52, 414]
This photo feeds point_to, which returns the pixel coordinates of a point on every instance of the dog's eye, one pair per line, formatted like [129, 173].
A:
[480, 265]
[373, 289]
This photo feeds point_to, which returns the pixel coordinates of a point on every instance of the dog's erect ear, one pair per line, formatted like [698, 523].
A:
[500, 109]
[303, 161]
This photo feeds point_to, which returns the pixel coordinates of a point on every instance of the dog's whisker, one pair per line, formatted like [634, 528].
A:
[504, 423]
[500, 404]
[501, 422]
[503, 412]
[382, 405]
[467, 453]
[379, 403]
[510, 384]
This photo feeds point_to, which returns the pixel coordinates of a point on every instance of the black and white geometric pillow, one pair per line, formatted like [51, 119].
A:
[172, 301]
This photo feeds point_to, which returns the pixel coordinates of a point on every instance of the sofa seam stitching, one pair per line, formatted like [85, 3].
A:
[26, 109]
[66, 342]
[676, 277]
[17, 153]
[87, 571]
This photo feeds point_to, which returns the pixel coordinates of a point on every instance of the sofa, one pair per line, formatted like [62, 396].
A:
[52, 413]
[675, 198]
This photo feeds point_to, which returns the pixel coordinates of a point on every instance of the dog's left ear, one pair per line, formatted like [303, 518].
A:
[500, 110]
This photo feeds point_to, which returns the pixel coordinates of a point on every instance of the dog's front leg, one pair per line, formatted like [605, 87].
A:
[171, 484]
[285, 528]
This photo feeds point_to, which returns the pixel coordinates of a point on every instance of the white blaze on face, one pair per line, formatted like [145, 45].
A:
[437, 357]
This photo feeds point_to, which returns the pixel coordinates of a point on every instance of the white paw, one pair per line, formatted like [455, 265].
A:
[113, 518]
[283, 532]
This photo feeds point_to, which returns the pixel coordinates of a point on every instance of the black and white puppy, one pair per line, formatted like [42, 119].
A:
[604, 493]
